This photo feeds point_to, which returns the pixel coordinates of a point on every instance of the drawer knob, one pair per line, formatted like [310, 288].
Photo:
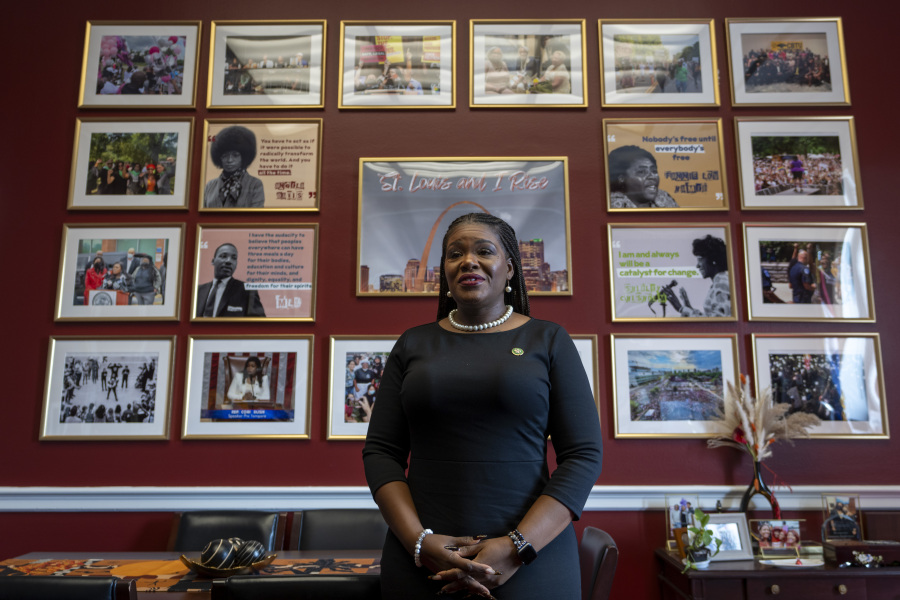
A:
[842, 589]
[775, 590]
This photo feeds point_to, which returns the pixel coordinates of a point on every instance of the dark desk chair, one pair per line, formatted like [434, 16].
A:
[191, 531]
[598, 556]
[297, 587]
[338, 529]
[40, 587]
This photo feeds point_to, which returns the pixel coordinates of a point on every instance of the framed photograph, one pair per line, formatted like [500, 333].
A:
[664, 164]
[679, 515]
[675, 271]
[267, 64]
[778, 538]
[405, 205]
[787, 61]
[671, 385]
[586, 344]
[131, 164]
[658, 63]
[841, 517]
[261, 165]
[527, 63]
[134, 64]
[837, 377]
[397, 64]
[798, 162]
[808, 272]
[356, 363]
[732, 529]
[248, 387]
[256, 272]
[120, 272]
[108, 388]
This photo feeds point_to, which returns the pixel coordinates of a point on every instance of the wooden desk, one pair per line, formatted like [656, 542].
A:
[749, 580]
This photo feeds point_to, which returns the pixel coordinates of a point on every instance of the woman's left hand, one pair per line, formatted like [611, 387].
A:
[499, 553]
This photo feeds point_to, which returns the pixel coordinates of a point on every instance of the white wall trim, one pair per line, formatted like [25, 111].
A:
[602, 498]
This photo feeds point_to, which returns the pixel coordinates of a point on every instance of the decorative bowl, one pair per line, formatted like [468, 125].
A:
[218, 573]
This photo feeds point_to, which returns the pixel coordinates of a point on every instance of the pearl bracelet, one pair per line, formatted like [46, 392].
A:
[418, 551]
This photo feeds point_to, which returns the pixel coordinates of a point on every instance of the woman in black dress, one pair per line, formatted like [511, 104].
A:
[470, 401]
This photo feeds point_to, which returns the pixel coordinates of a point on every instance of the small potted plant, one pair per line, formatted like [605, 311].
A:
[700, 549]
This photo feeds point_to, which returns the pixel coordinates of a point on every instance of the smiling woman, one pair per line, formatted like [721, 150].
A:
[634, 180]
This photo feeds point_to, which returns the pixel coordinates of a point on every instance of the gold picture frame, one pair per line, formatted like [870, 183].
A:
[348, 417]
[587, 346]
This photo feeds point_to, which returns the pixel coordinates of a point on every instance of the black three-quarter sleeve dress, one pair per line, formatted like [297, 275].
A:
[472, 412]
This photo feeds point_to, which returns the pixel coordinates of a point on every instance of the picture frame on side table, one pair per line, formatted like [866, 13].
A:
[163, 52]
[836, 376]
[108, 388]
[350, 406]
[842, 518]
[527, 63]
[647, 63]
[732, 529]
[248, 387]
[679, 514]
[267, 64]
[778, 538]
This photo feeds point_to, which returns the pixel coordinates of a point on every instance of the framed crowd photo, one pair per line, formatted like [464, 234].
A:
[108, 388]
[397, 64]
[267, 64]
[672, 271]
[134, 64]
[527, 63]
[808, 272]
[406, 204]
[841, 517]
[664, 164]
[261, 165]
[356, 364]
[732, 529]
[586, 344]
[120, 272]
[671, 386]
[658, 63]
[679, 515]
[778, 538]
[838, 377]
[264, 271]
[798, 162]
[248, 387]
[131, 164]
[787, 61]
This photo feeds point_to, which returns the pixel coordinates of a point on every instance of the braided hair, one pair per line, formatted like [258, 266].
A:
[518, 298]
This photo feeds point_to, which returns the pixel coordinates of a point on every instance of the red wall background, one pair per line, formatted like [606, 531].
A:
[42, 65]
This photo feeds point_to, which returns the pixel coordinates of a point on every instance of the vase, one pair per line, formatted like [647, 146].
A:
[758, 486]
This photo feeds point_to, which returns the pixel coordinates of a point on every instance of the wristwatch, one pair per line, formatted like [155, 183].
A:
[524, 549]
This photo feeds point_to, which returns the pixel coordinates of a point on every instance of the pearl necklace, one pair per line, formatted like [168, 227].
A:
[500, 321]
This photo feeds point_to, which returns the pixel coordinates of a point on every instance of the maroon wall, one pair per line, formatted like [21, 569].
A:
[41, 65]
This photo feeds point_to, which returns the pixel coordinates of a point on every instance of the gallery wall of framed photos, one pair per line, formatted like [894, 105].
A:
[304, 248]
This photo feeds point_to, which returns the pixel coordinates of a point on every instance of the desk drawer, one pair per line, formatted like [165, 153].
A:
[831, 588]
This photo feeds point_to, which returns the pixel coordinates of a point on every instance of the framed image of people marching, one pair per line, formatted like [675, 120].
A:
[356, 364]
[664, 164]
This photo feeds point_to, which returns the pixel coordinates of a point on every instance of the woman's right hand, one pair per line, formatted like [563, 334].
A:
[437, 557]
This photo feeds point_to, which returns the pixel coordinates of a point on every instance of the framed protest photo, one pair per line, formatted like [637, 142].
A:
[356, 364]
[248, 387]
[267, 64]
[108, 388]
[841, 517]
[120, 272]
[799, 62]
[658, 63]
[255, 272]
[664, 164]
[131, 64]
[671, 271]
[397, 64]
[786, 163]
[808, 272]
[261, 165]
[671, 386]
[837, 377]
[527, 63]
[131, 164]
[405, 205]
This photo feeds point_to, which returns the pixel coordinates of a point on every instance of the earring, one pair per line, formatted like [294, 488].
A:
[449, 295]
[507, 289]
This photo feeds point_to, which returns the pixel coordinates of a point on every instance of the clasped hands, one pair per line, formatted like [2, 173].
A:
[475, 564]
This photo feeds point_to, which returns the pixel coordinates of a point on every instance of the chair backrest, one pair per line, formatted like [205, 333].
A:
[297, 587]
[47, 587]
[598, 556]
[193, 530]
[338, 529]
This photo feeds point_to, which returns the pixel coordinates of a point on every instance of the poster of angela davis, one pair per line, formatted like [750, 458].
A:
[261, 165]
[660, 164]
[248, 387]
[255, 272]
[676, 271]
